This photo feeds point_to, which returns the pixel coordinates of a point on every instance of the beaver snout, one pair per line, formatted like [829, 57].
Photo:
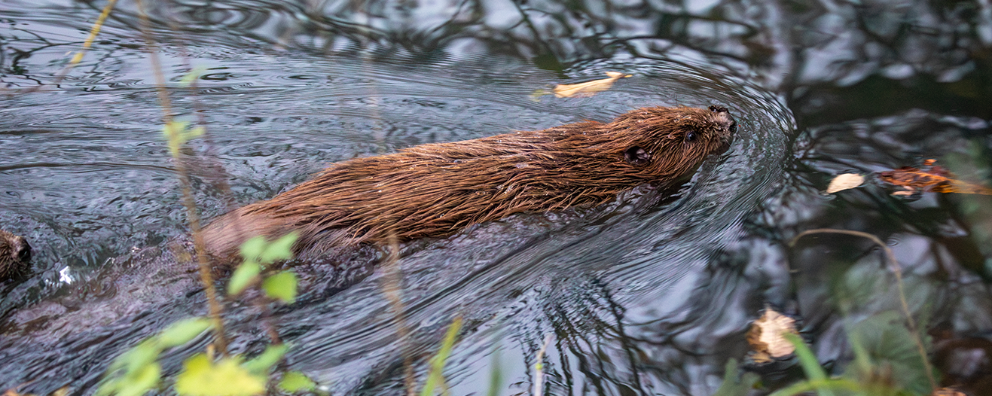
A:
[15, 252]
[726, 126]
[22, 251]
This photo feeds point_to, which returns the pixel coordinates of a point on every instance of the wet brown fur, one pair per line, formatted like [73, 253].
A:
[15, 254]
[435, 190]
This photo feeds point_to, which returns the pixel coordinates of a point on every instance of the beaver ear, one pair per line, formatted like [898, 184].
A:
[636, 155]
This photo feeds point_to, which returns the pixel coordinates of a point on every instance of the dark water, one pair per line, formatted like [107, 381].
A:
[647, 295]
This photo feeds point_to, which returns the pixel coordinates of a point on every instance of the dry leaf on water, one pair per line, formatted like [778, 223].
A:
[845, 182]
[931, 178]
[765, 336]
[589, 88]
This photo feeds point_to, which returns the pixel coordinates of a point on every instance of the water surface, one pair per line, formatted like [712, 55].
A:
[646, 295]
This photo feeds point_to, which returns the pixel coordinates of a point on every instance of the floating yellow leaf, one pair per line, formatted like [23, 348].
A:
[765, 336]
[845, 182]
[589, 88]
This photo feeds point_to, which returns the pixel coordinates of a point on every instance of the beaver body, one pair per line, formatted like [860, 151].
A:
[15, 254]
[435, 190]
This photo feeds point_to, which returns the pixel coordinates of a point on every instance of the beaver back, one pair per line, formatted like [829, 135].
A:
[435, 190]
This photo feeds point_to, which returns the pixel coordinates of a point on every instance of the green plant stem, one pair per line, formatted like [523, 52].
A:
[814, 385]
[539, 367]
[194, 220]
[392, 288]
[897, 270]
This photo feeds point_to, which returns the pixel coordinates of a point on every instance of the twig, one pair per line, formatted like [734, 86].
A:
[201, 254]
[392, 288]
[539, 367]
[82, 51]
[897, 270]
[93, 32]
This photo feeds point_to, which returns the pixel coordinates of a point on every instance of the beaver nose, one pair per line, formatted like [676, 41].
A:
[22, 251]
[723, 117]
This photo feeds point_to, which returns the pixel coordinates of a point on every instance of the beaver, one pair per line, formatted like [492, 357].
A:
[15, 253]
[435, 190]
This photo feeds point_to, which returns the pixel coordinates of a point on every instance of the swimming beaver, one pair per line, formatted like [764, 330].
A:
[14, 255]
[435, 190]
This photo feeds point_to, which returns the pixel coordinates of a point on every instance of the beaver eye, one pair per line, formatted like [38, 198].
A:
[691, 136]
[636, 155]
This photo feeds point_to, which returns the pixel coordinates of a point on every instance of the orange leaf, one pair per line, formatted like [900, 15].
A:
[931, 178]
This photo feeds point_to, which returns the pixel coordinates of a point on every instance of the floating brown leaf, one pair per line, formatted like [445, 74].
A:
[931, 178]
[845, 182]
[765, 336]
[589, 88]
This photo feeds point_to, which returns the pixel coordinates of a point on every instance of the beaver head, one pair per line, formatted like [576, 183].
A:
[668, 143]
[435, 190]
[14, 255]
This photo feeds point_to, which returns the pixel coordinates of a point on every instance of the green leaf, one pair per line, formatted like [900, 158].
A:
[226, 378]
[819, 385]
[436, 375]
[808, 360]
[140, 356]
[253, 248]
[183, 331]
[193, 75]
[176, 134]
[173, 132]
[280, 249]
[141, 381]
[261, 364]
[245, 275]
[281, 286]
[883, 341]
[295, 381]
[495, 376]
[734, 386]
[193, 133]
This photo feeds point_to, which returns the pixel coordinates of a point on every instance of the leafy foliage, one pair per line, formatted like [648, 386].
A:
[137, 371]
[177, 133]
[886, 362]
[201, 377]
